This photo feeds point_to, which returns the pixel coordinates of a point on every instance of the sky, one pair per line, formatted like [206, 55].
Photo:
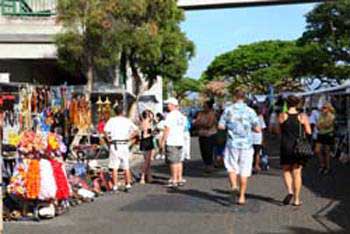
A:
[218, 31]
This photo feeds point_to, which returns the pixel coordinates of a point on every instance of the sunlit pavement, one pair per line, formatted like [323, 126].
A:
[205, 205]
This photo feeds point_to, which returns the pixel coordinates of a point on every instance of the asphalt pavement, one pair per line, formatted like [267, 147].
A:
[205, 205]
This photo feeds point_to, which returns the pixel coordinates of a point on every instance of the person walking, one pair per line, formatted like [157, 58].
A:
[258, 140]
[147, 145]
[206, 126]
[325, 137]
[240, 121]
[159, 131]
[118, 131]
[292, 123]
[173, 141]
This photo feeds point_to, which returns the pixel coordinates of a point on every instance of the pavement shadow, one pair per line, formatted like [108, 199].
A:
[253, 197]
[301, 230]
[334, 187]
[192, 168]
[221, 200]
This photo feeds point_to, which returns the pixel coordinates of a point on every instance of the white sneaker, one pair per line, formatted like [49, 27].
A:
[127, 188]
[157, 157]
[115, 189]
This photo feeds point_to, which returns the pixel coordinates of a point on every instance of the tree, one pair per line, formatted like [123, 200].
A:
[215, 89]
[184, 86]
[255, 66]
[326, 43]
[87, 43]
[141, 35]
[152, 42]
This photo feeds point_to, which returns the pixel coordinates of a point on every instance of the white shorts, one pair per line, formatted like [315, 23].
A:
[239, 161]
[119, 158]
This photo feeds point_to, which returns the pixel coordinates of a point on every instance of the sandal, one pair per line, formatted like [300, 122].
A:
[287, 199]
[298, 205]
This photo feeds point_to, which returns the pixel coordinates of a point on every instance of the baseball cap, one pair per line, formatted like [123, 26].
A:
[173, 101]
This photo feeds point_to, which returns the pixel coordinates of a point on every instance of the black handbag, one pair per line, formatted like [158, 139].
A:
[302, 148]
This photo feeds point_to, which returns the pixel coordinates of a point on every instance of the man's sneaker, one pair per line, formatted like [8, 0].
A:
[171, 185]
[115, 189]
[127, 188]
[182, 183]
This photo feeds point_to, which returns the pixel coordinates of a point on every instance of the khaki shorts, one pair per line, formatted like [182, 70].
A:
[173, 154]
[119, 157]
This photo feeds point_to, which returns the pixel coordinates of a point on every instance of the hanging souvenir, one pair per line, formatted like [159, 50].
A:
[73, 111]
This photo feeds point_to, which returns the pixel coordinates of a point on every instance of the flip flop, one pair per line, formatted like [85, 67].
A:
[287, 199]
[240, 203]
[297, 205]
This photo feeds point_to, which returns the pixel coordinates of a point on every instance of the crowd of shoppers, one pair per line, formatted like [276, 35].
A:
[233, 136]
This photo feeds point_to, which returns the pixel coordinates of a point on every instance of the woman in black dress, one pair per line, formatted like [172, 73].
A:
[290, 124]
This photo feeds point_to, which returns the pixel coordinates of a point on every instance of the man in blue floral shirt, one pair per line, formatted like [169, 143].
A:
[240, 121]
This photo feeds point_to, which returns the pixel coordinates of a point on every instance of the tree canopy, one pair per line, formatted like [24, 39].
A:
[255, 66]
[184, 86]
[326, 42]
[144, 35]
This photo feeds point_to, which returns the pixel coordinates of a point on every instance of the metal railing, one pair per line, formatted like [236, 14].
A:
[38, 8]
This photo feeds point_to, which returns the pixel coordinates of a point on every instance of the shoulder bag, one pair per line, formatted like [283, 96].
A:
[302, 149]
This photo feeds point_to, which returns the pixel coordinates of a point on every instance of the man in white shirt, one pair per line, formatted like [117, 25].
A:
[119, 130]
[173, 141]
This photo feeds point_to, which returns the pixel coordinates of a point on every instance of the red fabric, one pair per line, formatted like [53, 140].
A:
[101, 126]
[61, 180]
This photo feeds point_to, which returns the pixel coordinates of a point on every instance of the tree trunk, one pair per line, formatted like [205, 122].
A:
[141, 88]
[90, 80]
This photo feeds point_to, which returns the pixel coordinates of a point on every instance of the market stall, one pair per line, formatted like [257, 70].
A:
[38, 123]
[339, 96]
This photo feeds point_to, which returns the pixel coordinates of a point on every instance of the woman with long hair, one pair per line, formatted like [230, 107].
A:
[292, 123]
[147, 145]
[325, 137]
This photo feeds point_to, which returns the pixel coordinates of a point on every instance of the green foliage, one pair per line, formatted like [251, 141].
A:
[326, 42]
[254, 66]
[87, 39]
[184, 86]
[152, 38]
[144, 32]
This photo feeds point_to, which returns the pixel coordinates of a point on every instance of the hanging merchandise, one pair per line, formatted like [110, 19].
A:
[84, 115]
[25, 109]
[73, 111]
